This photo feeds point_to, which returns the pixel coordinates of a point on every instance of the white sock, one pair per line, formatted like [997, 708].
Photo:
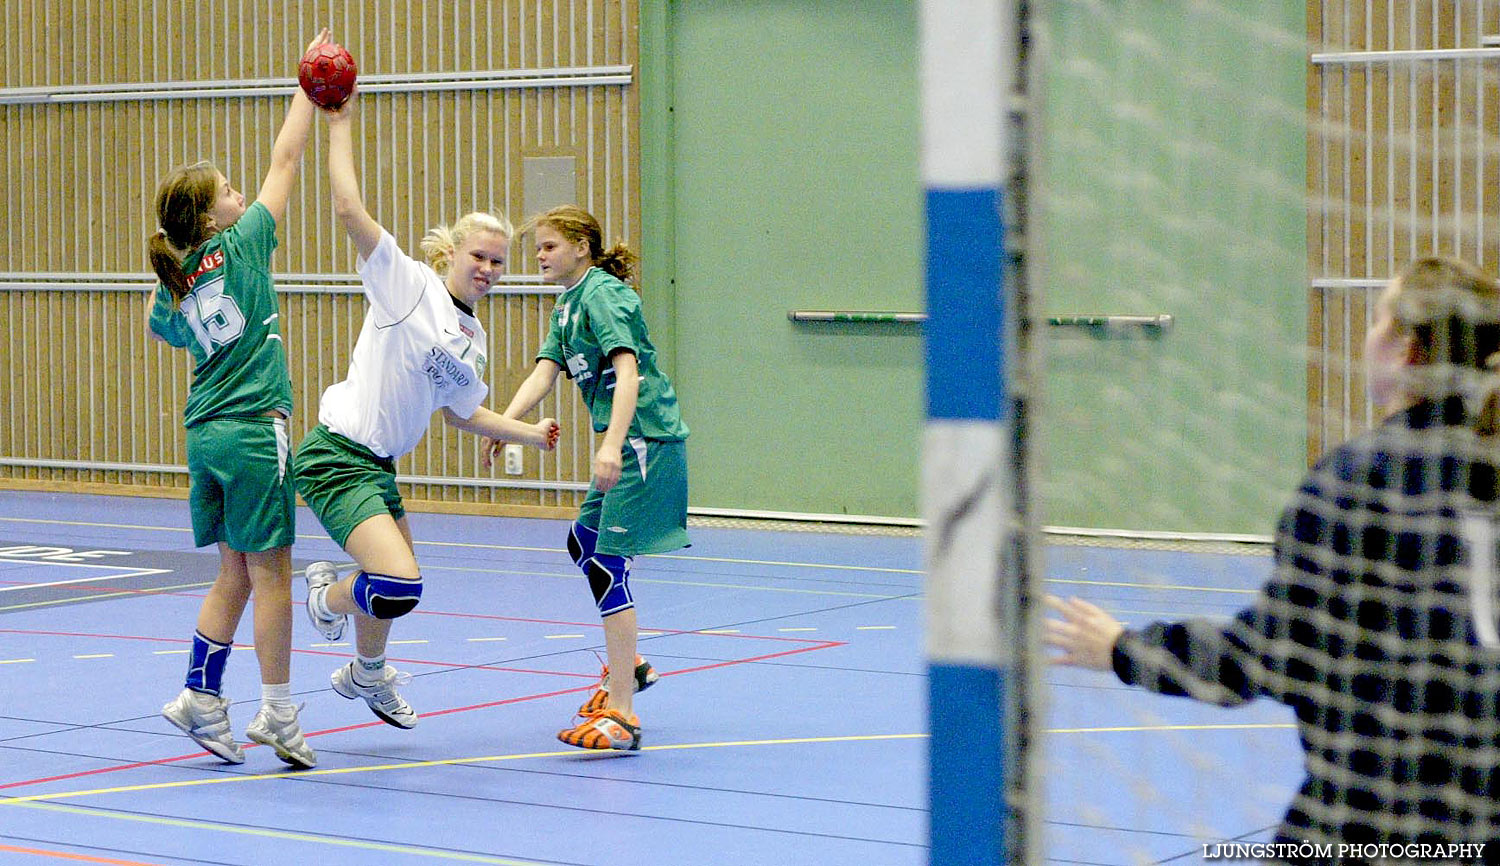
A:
[368, 671]
[319, 604]
[277, 696]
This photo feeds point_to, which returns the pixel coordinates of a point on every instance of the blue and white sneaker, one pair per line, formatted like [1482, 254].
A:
[205, 718]
[382, 696]
[282, 733]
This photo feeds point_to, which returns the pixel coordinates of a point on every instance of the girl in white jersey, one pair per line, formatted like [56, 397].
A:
[216, 299]
[419, 351]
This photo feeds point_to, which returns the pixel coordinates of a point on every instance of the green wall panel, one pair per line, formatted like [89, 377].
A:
[780, 144]
[794, 153]
[1174, 174]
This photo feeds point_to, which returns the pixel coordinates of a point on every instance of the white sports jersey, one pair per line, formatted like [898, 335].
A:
[417, 353]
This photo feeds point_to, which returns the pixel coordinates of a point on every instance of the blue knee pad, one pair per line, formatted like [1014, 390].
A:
[385, 597]
[609, 580]
[581, 543]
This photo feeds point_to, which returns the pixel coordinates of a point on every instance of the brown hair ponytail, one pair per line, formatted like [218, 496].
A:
[183, 202]
[579, 226]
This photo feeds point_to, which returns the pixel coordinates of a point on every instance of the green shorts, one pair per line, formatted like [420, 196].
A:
[240, 486]
[646, 510]
[344, 483]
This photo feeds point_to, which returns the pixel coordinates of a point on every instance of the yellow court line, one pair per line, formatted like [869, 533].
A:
[634, 579]
[287, 835]
[103, 595]
[285, 776]
[1140, 728]
[443, 762]
[96, 524]
[478, 546]
[1153, 586]
[796, 564]
[573, 575]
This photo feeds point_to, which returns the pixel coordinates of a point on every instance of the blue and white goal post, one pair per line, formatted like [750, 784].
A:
[969, 54]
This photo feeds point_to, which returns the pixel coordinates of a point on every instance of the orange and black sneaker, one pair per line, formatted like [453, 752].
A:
[645, 677]
[605, 729]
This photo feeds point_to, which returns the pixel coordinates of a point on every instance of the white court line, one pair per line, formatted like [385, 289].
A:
[478, 546]
[135, 572]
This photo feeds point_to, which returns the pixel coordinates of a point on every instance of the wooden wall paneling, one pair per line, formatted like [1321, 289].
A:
[1378, 252]
[1487, 148]
[89, 171]
[10, 363]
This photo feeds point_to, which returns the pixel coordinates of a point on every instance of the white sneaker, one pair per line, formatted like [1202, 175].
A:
[205, 718]
[382, 697]
[320, 576]
[282, 733]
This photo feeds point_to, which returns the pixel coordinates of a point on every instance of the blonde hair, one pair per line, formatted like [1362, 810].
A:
[183, 202]
[440, 241]
[1451, 311]
[579, 226]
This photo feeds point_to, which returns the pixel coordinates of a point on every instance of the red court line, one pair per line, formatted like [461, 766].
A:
[178, 640]
[723, 664]
[82, 858]
[644, 628]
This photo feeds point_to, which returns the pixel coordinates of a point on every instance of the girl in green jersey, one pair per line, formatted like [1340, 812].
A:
[217, 300]
[637, 499]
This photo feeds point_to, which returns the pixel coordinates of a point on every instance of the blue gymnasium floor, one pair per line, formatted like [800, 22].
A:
[789, 726]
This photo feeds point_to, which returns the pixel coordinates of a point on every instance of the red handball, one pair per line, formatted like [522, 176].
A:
[327, 74]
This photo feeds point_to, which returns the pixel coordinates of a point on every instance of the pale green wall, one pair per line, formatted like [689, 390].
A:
[780, 172]
[1175, 171]
[792, 148]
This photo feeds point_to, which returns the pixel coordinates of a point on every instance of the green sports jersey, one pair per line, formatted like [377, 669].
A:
[229, 323]
[591, 321]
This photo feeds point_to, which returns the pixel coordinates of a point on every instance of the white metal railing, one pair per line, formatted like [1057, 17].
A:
[502, 79]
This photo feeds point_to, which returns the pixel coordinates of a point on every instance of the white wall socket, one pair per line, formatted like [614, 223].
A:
[514, 464]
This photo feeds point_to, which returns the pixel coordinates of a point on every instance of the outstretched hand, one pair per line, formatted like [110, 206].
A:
[321, 39]
[551, 432]
[544, 435]
[1084, 633]
[343, 112]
